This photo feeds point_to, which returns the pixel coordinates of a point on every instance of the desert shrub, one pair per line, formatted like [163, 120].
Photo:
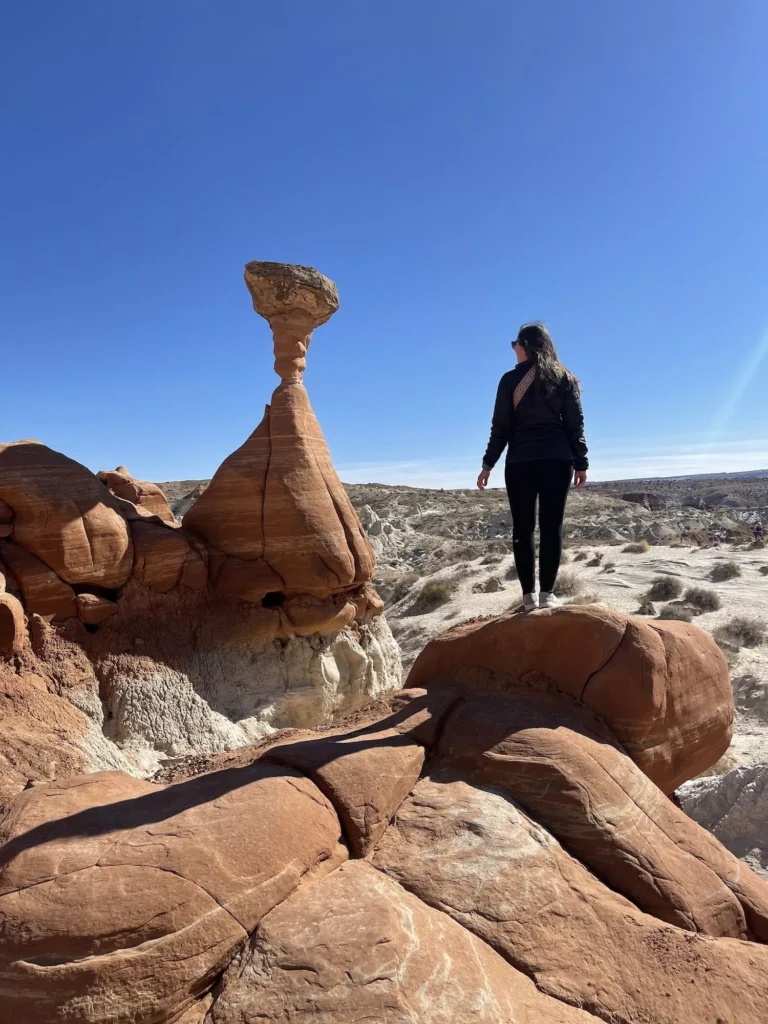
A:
[511, 573]
[763, 570]
[725, 571]
[664, 588]
[702, 600]
[580, 556]
[569, 584]
[646, 607]
[609, 567]
[676, 611]
[596, 559]
[750, 695]
[431, 596]
[757, 544]
[636, 549]
[741, 632]
[492, 558]
[402, 586]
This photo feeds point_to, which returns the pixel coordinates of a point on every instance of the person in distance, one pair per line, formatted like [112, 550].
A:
[538, 418]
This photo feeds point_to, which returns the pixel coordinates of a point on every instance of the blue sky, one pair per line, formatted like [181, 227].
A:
[456, 166]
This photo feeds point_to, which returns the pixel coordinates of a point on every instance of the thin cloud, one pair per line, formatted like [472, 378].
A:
[615, 462]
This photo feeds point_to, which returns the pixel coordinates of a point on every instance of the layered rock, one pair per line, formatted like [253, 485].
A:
[510, 862]
[734, 807]
[64, 516]
[257, 614]
[276, 507]
[147, 497]
[674, 720]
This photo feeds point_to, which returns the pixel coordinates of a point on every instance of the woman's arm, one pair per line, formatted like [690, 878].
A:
[573, 421]
[500, 425]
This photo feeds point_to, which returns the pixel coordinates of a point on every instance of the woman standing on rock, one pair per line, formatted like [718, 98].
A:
[538, 415]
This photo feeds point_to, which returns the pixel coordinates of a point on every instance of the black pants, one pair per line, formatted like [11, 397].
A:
[548, 480]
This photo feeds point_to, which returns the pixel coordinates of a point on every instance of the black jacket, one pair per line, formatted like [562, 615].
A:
[543, 427]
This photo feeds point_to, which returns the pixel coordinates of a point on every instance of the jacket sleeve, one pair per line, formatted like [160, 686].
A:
[573, 421]
[500, 426]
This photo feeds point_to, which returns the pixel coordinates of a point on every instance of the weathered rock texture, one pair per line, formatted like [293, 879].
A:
[257, 614]
[147, 497]
[510, 862]
[734, 807]
[674, 719]
[276, 507]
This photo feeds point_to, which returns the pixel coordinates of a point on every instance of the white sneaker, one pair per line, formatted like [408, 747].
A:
[548, 600]
[529, 602]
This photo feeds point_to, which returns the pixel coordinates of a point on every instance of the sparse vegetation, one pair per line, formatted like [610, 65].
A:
[741, 632]
[402, 587]
[757, 544]
[581, 556]
[646, 607]
[725, 571]
[676, 611]
[664, 588]
[432, 594]
[702, 600]
[636, 549]
[609, 567]
[569, 584]
[596, 559]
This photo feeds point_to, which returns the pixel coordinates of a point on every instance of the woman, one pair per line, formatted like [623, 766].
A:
[538, 415]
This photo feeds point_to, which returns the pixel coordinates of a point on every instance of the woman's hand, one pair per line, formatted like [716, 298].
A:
[579, 478]
[482, 480]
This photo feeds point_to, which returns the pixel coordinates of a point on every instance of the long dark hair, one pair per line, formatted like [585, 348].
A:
[538, 344]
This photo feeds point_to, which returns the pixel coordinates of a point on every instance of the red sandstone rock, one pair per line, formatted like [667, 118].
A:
[276, 504]
[6, 513]
[662, 687]
[164, 557]
[144, 495]
[145, 895]
[41, 732]
[43, 591]
[64, 515]
[93, 609]
[142, 894]
[12, 629]
[294, 300]
[357, 947]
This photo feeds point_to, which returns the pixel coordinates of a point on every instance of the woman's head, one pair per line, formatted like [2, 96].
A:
[535, 342]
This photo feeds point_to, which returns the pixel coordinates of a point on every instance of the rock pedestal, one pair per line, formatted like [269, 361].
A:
[276, 507]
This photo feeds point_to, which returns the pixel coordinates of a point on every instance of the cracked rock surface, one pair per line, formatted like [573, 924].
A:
[480, 847]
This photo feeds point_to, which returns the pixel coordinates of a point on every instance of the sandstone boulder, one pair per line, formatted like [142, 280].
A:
[146, 496]
[64, 516]
[92, 609]
[164, 557]
[43, 592]
[12, 628]
[357, 947]
[470, 852]
[134, 897]
[662, 687]
[534, 874]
